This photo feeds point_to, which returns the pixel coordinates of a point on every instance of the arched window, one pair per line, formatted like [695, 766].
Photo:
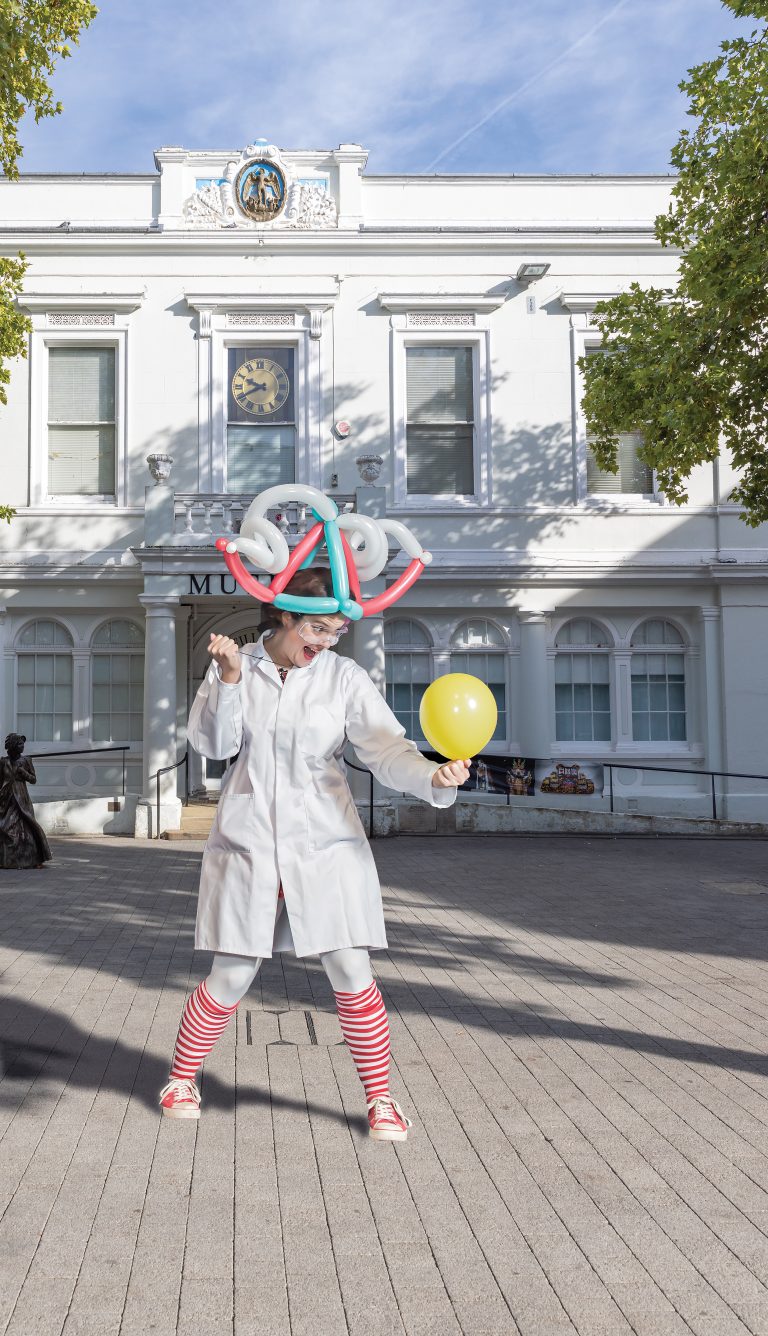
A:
[408, 672]
[658, 683]
[582, 683]
[477, 648]
[44, 682]
[117, 682]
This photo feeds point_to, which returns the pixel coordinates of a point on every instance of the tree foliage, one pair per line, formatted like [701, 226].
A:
[34, 35]
[689, 367]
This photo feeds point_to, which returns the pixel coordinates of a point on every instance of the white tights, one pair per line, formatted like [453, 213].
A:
[348, 971]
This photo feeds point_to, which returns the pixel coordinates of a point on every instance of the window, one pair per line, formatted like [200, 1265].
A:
[261, 418]
[582, 683]
[477, 648]
[408, 672]
[117, 686]
[633, 476]
[658, 683]
[440, 432]
[44, 683]
[81, 421]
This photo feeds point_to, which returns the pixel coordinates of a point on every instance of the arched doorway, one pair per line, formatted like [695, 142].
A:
[242, 625]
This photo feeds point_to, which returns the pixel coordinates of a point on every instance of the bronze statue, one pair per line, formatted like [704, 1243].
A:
[22, 840]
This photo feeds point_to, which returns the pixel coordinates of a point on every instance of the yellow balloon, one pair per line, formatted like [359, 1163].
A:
[458, 715]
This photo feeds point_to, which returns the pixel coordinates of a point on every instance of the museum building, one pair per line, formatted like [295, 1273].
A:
[409, 345]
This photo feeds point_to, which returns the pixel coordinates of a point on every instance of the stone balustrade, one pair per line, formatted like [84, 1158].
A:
[200, 517]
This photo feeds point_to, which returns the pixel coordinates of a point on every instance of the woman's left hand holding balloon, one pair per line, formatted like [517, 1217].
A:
[451, 775]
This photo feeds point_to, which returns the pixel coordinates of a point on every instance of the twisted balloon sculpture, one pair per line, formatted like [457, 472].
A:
[357, 550]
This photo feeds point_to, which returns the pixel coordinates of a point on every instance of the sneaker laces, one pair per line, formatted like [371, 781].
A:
[182, 1089]
[387, 1110]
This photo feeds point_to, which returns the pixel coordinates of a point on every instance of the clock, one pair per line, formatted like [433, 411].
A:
[260, 386]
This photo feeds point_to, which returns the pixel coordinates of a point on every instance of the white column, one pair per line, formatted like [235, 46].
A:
[712, 688]
[81, 695]
[160, 744]
[536, 727]
[621, 667]
[204, 402]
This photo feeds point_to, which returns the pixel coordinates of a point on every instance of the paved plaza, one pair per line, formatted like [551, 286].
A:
[579, 1035]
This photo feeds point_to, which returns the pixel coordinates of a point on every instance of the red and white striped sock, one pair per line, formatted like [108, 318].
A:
[202, 1022]
[365, 1026]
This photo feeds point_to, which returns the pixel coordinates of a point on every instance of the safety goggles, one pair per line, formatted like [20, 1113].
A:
[314, 633]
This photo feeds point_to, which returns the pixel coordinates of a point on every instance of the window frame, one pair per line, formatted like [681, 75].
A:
[502, 651]
[683, 650]
[477, 338]
[584, 339]
[397, 647]
[267, 340]
[41, 342]
[24, 650]
[608, 651]
[97, 651]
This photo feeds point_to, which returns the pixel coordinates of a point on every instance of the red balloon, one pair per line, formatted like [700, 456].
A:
[299, 553]
[244, 579]
[409, 576]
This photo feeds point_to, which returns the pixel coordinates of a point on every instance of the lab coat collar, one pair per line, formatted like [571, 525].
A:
[263, 661]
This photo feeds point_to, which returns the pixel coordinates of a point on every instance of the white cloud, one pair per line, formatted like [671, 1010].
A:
[405, 79]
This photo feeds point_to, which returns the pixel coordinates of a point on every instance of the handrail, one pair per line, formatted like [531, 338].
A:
[81, 751]
[164, 770]
[363, 770]
[676, 770]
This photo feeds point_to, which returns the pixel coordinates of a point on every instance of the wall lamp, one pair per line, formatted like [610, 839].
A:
[528, 273]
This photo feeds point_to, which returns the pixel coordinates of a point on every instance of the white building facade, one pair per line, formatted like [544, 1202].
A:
[229, 311]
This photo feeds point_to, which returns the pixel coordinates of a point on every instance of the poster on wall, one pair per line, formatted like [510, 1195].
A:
[569, 779]
[525, 777]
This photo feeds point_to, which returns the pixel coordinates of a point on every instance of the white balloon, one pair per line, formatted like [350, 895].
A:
[372, 561]
[262, 542]
[294, 491]
[407, 540]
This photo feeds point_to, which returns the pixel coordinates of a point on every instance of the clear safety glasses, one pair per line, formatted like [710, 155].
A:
[314, 633]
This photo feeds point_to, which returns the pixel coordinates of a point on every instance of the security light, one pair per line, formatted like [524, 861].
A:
[528, 273]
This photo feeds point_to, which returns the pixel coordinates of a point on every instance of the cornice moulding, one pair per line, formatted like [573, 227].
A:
[125, 302]
[399, 302]
[303, 299]
[579, 303]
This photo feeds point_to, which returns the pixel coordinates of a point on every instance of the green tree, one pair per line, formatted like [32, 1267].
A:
[34, 35]
[689, 366]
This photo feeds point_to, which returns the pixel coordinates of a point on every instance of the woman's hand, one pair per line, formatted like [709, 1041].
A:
[451, 775]
[226, 654]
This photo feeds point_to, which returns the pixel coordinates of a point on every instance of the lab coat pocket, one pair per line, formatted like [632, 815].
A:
[331, 814]
[235, 828]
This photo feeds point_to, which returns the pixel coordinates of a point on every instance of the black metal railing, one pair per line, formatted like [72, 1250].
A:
[165, 770]
[81, 751]
[363, 770]
[712, 775]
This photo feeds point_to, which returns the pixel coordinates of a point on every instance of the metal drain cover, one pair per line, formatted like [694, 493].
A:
[303, 1029]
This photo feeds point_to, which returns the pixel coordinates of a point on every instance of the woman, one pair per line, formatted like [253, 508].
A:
[287, 866]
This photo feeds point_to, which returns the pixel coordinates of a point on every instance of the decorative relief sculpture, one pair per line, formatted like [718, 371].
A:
[260, 189]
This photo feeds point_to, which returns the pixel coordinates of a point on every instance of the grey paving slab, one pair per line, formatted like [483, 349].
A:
[578, 1031]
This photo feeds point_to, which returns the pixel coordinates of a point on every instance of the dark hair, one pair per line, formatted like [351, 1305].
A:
[312, 583]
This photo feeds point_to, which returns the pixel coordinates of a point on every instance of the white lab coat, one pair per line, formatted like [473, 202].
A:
[286, 813]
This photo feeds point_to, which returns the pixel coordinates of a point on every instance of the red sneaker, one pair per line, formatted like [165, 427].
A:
[180, 1099]
[386, 1120]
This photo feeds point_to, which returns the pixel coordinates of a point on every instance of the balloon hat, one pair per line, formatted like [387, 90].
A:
[357, 550]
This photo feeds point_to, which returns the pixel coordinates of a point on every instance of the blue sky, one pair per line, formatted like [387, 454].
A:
[541, 85]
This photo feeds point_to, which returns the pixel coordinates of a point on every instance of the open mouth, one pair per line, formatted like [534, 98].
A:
[309, 653]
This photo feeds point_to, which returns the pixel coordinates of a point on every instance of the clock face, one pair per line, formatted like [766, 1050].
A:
[260, 386]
